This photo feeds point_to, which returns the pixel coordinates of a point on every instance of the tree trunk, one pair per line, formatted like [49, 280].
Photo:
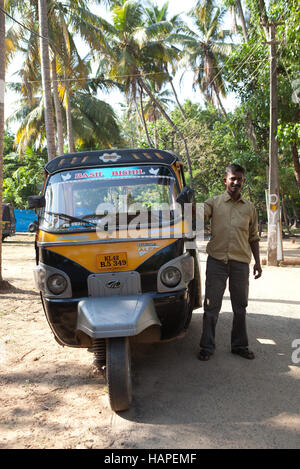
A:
[69, 119]
[295, 215]
[172, 141]
[155, 130]
[138, 118]
[296, 162]
[250, 132]
[57, 106]
[159, 106]
[143, 119]
[2, 92]
[233, 15]
[263, 17]
[46, 79]
[129, 119]
[175, 94]
[285, 214]
[242, 18]
[219, 100]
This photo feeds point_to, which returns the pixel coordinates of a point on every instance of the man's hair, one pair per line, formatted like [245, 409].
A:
[233, 168]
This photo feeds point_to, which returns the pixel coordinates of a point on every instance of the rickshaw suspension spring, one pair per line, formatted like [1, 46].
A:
[99, 350]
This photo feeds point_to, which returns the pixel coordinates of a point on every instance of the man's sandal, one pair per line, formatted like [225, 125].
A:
[244, 352]
[203, 356]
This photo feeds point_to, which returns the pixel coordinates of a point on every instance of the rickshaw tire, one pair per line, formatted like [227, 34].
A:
[118, 373]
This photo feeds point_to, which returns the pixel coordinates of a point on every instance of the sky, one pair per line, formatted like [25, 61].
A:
[183, 84]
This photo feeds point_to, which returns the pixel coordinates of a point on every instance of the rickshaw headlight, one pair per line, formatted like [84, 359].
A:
[57, 284]
[171, 276]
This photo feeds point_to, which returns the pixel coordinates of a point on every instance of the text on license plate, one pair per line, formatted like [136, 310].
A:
[118, 260]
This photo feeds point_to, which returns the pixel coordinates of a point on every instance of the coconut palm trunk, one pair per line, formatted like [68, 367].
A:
[46, 79]
[69, 118]
[57, 106]
[2, 91]
[174, 93]
[166, 116]
[219, 100]
[143, 118]
[242, 18]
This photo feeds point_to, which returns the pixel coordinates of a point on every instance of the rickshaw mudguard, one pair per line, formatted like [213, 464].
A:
[116, 316]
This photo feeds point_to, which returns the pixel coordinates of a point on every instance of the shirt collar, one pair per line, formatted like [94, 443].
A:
[227, 198]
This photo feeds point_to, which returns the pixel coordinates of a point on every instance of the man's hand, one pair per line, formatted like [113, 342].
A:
[257, 268]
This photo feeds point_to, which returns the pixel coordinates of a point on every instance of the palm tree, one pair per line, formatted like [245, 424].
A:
[236, 8]
[166, 32]
[57, 107]
[205, 50]
[68, 72]
[93, 121]
[2, 91]
[66, 18]
[150, 110]
[31, 119]
[5, 46]
[46, 78]
[132, 54]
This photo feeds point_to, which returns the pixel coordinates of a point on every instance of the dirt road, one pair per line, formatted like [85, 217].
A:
[49, 397]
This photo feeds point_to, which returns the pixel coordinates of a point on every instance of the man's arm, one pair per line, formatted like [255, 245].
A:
[255, 251]
[208, 209]
[254, 243]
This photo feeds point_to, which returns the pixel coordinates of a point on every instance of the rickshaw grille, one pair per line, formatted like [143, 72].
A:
[99, 350]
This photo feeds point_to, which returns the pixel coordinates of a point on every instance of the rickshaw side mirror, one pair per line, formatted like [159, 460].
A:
[36, 201]
[186, 195]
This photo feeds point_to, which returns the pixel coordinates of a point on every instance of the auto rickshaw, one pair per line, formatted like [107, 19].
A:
[114, 262]
[8, 221]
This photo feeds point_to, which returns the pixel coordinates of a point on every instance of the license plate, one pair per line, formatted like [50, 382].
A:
[115, 261]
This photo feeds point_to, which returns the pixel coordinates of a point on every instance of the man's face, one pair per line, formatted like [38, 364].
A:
[234, 183]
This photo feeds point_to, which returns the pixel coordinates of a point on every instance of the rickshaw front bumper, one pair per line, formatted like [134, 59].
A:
[116, 316]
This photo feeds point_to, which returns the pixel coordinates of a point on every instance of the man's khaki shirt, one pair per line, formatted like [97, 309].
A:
[233, 227]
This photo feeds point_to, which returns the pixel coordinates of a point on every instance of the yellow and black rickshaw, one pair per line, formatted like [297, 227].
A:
[114, 263]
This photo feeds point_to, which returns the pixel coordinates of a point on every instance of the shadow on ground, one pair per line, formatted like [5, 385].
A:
[241, 403]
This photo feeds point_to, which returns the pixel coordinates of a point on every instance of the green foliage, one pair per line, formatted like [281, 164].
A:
[22, 176]
[8, 143]
[142, 44]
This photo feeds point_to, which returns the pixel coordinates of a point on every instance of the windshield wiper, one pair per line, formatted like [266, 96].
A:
[71, 218]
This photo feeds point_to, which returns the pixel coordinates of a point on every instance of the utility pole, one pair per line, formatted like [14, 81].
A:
[273, 205]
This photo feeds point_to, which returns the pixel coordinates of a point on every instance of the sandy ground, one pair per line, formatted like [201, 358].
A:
[50, 398]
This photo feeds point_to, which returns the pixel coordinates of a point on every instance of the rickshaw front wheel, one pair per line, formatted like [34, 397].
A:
[118, 373]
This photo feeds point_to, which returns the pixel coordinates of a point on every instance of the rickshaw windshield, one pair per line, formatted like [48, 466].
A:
[80, 200]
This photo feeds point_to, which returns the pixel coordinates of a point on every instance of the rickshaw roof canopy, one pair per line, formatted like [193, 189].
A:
[112, 157]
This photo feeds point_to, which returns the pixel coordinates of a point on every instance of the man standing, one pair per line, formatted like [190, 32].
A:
[234, 237]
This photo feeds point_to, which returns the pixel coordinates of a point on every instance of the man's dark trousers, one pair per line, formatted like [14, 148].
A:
[217, 273]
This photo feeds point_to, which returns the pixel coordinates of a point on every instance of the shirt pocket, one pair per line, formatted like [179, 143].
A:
[241, 220]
